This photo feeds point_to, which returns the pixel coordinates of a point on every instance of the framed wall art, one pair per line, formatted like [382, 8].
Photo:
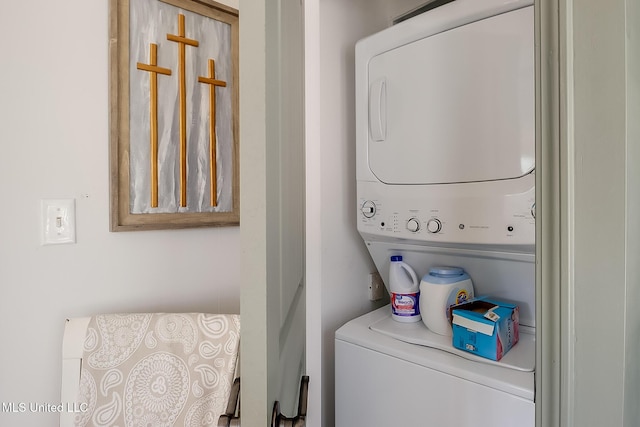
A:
[173, 89]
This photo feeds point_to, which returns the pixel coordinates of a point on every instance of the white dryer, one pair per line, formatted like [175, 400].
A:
[445, 176]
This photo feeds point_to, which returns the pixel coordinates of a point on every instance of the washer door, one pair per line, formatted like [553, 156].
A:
[457, 106]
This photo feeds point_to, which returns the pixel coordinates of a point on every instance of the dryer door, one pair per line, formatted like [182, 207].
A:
[457, 106]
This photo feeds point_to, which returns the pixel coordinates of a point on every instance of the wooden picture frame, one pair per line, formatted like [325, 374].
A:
[173, 87]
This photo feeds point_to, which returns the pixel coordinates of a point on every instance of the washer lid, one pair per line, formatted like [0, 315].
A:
[457, 106]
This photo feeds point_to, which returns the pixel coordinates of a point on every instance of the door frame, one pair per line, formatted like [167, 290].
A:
[552, 214]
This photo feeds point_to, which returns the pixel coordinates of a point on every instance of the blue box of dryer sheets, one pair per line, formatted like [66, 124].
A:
[485, 327]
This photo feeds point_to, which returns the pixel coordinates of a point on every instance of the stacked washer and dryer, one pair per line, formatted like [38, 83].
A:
[445, 177]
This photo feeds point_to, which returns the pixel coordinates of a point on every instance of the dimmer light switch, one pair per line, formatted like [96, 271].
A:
[58, 221]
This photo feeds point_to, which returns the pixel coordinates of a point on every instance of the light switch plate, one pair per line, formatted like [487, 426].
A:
[58, 221]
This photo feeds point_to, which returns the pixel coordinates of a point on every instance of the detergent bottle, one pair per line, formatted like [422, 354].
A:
[441, 288]
[405, 291]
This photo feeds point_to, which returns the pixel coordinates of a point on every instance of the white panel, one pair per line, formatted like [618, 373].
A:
[292, 350]
[272, 209]
[292, 153]
[313, 249]
[598, 194]
[441, 124]
[375, 389]
[72, 350]
[487, 213]
[258, 348]
[632, 321]
[291, 200]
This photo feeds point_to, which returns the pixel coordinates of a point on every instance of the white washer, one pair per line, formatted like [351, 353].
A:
[445, 163]
[382, 381]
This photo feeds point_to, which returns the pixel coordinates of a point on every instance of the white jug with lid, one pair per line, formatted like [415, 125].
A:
[439, 290]
[405, 291]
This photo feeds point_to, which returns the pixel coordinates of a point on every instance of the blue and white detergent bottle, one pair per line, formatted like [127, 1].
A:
[441, 288]
[405, 291]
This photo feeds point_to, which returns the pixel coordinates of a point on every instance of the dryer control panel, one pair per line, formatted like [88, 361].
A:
[485, 213]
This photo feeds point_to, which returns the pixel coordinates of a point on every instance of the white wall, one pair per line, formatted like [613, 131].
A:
[54, 142]
[337, 260]
[338, 263]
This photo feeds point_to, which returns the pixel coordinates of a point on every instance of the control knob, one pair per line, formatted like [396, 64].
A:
[413, 225]
[368, 209]
[434, 225]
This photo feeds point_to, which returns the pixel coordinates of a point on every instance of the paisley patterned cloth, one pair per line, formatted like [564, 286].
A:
[157, 370]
